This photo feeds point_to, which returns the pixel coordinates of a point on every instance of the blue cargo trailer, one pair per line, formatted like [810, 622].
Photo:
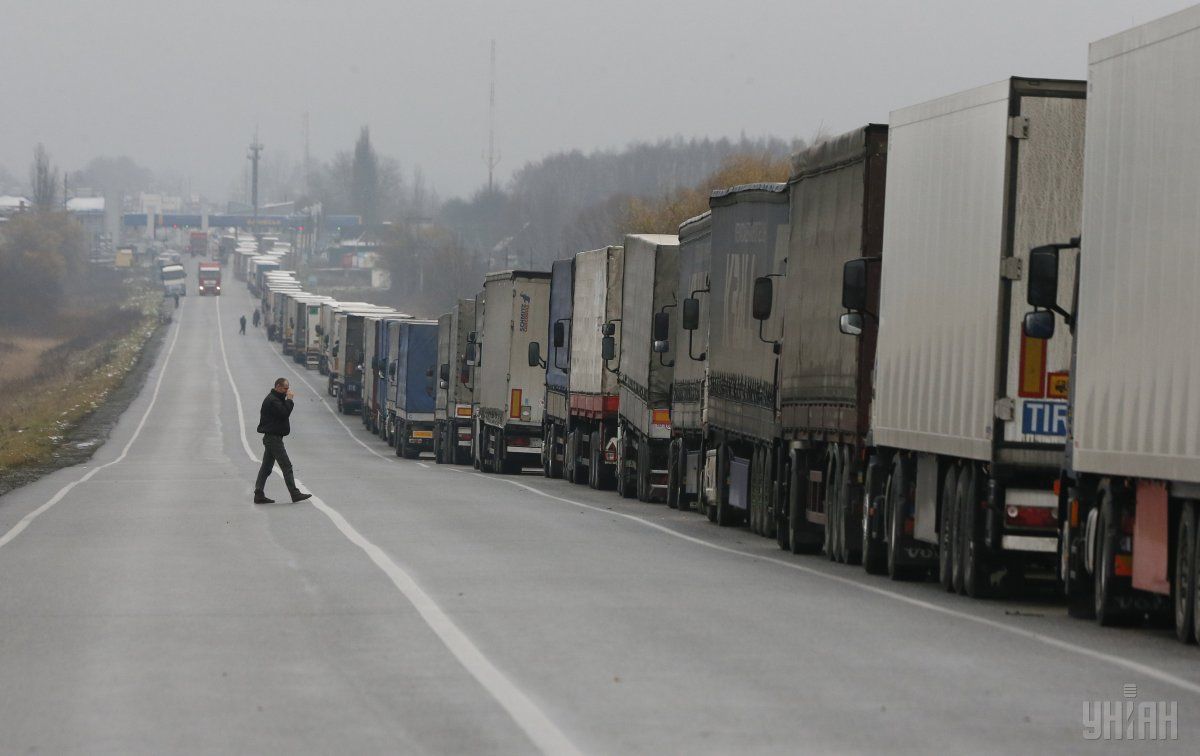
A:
[416, 387]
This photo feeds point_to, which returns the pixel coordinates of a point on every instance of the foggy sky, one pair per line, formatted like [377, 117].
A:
[181, 85]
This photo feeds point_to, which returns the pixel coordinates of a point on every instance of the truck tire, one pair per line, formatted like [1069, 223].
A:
[874, 555]
[898, 505]
[827, 491]
[802, 536]
[779, 497]
[974, 577]
[766, 492]
[625, 482]
[1109, 587]
[595, 460]
[439, 454]
[548, 449]
[673, 474]
[1185, 574]
[947, 529]
[398, 432]
[575, 472]
[726, 515]
[643, 471]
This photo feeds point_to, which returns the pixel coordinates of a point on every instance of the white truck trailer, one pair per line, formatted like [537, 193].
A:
[969, 416]
[509, 390]
[1131, 485]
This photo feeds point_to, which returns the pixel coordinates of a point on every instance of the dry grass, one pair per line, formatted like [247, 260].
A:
[20, 355]
[92, 352]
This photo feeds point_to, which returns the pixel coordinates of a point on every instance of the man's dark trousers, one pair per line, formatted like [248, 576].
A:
[273, 452]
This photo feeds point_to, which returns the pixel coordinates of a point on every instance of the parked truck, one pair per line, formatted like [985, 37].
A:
[690, 333]
[836, 196]
[452, 437]
[749, 247]
[198, 244]
[557, 363]
[646, 364]
[347, 363]
[416, 387]
[591, 450]
[209, 278]
[1130, 488]
[509, 391]
[969, 414]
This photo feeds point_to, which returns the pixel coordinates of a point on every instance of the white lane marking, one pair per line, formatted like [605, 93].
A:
[17, 529]
[422, 464]
[1143, 669]
[536, 725]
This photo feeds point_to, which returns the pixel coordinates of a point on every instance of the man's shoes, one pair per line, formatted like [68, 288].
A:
[262, 499]
[298, 496]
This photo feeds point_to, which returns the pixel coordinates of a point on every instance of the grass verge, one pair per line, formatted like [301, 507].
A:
[98, 349]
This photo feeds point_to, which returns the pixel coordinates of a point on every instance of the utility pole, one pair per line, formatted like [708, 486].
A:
[307, 162]
[255, 149]
[493, 158]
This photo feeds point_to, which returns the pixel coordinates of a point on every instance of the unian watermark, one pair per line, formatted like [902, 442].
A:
[1130, 719]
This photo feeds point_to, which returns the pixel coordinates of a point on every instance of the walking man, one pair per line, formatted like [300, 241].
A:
[257, 317]
[243, 324]
[274, 425]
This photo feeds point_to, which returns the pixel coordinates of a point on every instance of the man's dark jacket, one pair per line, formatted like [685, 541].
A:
[273, 417]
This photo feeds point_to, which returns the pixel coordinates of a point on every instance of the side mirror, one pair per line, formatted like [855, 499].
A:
[763, 294]
[464, 374]
[560, 335]
[1043, 278]
[470, 353]
[392, 369]
[854, 285]
[662, 326]
[608, 329]
[444, 372]
[320, 331]
[851, 323]
[1039, 324]
[691, 314]
[471, 337]
[661, 346]
[608, 348]
[535, 354]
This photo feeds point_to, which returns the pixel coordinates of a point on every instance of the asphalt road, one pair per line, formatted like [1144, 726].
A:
[147, 606]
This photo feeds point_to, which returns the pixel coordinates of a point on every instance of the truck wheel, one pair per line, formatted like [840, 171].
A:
[575, 472]
[899, 504]
[643, 470]
[625, 482]
[973, 577]
[673, 475]
[548, 449]
[725, 513]
[594, 460]
[827, 483]
[802, 537]
[766, 492]
[946, 529]
[1109, 586]
[398, 432]
[851, 498]
[1185, 574]
[779, 499]
[874, 555]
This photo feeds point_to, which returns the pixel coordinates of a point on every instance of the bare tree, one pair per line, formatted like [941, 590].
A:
[43, 180]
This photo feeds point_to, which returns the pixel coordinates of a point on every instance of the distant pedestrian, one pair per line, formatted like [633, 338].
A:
[273, 423]
[257, 317]
[176, 301]
[242, 322]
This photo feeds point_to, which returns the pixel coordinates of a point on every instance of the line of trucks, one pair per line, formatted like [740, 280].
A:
[956, 346]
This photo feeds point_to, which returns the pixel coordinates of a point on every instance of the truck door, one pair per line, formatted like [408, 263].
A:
[1048, 209]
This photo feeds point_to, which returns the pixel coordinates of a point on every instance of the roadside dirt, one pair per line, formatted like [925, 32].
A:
[84, 438]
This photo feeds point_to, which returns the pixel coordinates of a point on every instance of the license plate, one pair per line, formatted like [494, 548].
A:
[422, 434]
